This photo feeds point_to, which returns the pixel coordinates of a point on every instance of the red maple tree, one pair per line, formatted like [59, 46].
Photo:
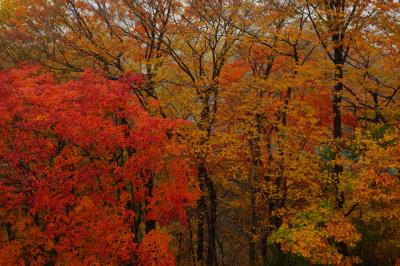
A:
[75, 163]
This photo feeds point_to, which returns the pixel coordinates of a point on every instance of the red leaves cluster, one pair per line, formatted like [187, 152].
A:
[75, 158]
[153, 251]
[133, 79]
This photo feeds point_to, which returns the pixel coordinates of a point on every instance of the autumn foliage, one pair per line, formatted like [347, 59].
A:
[76, 159]
[200, 132]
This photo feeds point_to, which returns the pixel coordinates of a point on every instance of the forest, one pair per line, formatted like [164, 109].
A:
[200, 132]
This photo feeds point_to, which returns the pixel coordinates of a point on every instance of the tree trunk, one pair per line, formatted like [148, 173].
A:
[150, 224]
[337, 114]
[256, 171]
[212, 223]
[201, 208]
[207, 187]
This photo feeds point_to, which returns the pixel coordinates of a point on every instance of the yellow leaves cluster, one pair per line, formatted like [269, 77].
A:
[312, 234]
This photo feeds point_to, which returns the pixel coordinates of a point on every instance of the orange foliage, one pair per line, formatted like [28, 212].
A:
[153, 251]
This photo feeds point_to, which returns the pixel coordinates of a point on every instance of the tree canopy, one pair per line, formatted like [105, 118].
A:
[199, 132]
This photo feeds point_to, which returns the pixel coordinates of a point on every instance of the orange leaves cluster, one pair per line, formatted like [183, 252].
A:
[153, 251]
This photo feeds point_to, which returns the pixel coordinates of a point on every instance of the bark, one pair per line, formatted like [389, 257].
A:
[201, 208]
[207, 205]
[150, 224]
[337, 114]
[212, 223]
[208, 211]
[339, 58]
[256, 171]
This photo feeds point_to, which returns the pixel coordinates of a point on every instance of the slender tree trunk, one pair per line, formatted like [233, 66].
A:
[201, 208]
[150, 224]
[212, 223]
[253, 216]
[210, 213]
[339, 59]
[208, 188]
[337, 101]
[337, 114]
[267, 179]
[255, 172]
[192, 254]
